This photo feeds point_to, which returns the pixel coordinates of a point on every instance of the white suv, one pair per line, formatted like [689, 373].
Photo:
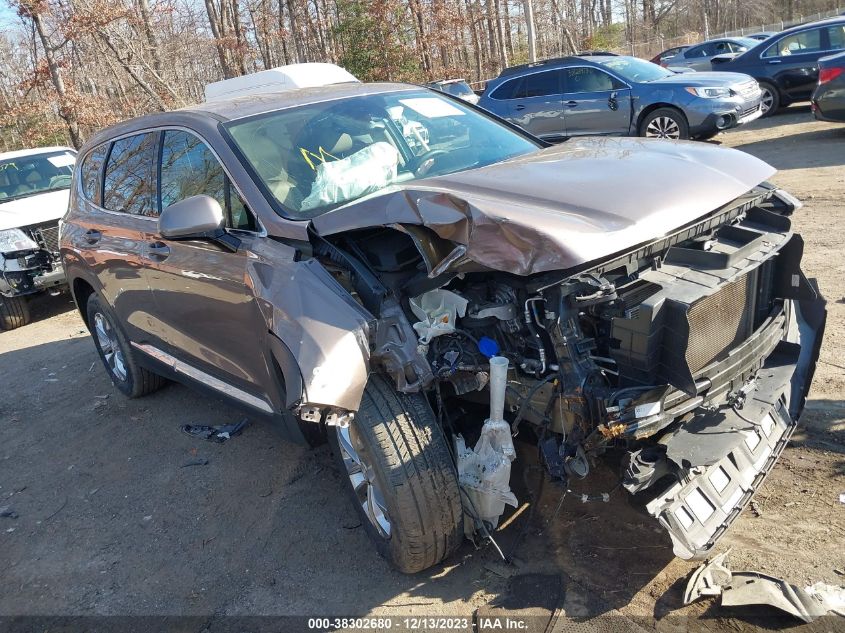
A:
[34, 186]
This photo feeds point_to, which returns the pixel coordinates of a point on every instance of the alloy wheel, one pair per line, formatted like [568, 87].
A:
[363, 479]
[663, 127]
[766, 100]
[110, 347]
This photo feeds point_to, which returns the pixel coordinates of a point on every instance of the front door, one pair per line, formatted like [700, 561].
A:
[595, 102]
[205, 310]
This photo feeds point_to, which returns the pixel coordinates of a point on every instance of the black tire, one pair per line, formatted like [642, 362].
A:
[772, 91]
[131, 379]
[14, 312]
[408, 458]
[671, 114]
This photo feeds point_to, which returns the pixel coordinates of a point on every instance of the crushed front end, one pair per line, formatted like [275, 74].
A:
[691, 354]
[29, 260]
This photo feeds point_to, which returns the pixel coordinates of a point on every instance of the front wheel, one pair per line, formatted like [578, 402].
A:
[14, 312]
[770, 100]
[400, 473]
[665, 123]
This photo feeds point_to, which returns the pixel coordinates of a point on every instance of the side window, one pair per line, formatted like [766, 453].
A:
[803, 42]
[836, 37]
[720, 48]
[583, 79]
[90, 173]
[129, 181]
[542, 84]
[190, 168]
[508, 90]
[705, 50]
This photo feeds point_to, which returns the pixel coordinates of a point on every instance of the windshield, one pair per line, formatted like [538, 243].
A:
[635, 70]
[31, 175]
[314, 158]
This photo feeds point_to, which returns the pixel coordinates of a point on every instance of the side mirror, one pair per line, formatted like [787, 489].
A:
[195, 217]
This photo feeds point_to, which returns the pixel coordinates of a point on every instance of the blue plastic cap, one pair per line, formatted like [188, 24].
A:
[488, 346]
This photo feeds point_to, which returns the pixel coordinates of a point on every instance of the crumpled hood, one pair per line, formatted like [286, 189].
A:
[563, 206]
[41, 207]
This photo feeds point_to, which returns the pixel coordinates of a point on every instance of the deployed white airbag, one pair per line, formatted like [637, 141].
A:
[365, 171]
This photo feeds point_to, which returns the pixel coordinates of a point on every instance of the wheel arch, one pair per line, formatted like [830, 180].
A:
[657, 106]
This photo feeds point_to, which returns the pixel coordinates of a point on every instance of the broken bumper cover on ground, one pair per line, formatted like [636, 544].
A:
[728, 453]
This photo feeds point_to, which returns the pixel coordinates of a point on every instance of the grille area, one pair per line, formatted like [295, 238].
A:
[748, 89]
[47, 237]
[717, 324]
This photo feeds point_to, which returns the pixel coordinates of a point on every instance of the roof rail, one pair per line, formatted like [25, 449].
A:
[515, 69]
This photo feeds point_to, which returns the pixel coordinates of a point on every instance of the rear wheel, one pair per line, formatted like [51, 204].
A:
[401, 477]
[14, 312]
[667, 123]
[116, 353]
[770, 101]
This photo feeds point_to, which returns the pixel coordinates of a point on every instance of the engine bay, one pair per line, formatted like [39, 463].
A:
[620, 356]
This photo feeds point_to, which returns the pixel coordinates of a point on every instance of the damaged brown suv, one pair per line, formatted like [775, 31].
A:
[415, 280]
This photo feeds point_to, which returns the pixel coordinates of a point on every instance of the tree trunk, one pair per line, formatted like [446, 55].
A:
[65, 111]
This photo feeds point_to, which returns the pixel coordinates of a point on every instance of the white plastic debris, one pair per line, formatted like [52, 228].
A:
[831, 596]
[365, 171]
[485, 471]
[437, 311]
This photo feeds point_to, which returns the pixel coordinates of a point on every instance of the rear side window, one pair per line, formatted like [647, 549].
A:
[190, 168]
[836, 37]
[129, 181]
[705, 50]
[90, 172]
[804, 42]
[541, 84]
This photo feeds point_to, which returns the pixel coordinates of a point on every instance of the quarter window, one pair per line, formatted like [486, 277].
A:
[190, 168]
[129, 181]
[90, 173]
[803, 42]
[508, 90]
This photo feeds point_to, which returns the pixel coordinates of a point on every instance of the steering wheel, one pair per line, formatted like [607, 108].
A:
[425, 161]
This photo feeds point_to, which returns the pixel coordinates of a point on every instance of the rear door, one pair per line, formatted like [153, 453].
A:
[792, 61]
[595, 102]
[119, 219]
[204, 311]
[536, 104]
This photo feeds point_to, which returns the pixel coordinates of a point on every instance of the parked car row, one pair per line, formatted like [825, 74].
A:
[622, 96]
[786, 64]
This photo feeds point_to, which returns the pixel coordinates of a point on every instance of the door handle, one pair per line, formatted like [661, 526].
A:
[158, 250]
[92, 236]
[519, 107]
[571, 104]
[773, 61]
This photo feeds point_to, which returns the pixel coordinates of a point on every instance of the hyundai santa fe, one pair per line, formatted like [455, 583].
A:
[397, 272]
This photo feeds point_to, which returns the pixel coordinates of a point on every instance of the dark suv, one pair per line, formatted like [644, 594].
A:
[786, 65]
[392, 269]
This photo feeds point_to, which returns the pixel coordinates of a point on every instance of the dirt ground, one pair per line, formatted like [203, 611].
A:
[111, 521]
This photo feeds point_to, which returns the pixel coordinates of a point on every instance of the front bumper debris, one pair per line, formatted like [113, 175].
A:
[726, 454]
